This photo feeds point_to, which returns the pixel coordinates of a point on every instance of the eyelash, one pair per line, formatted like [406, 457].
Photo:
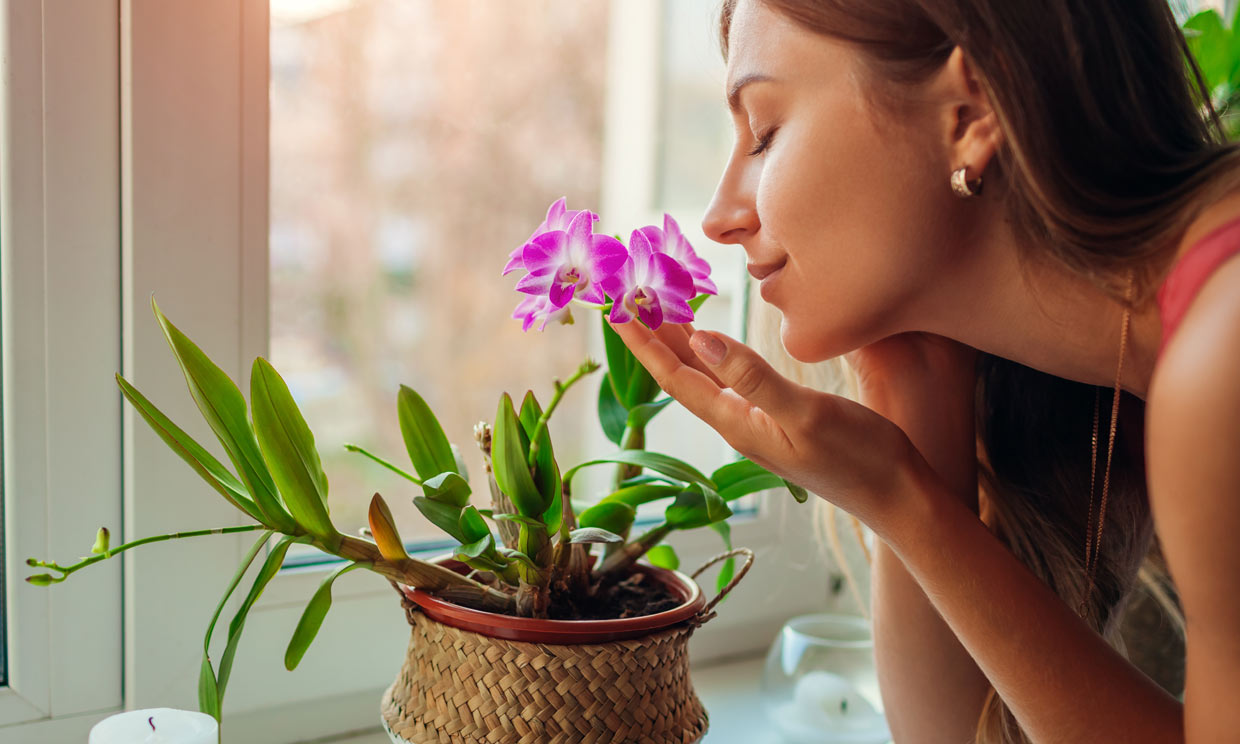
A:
[764, 142]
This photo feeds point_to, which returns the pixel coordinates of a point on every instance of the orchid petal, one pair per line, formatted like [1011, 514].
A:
[620, 310]
[536, 284]
[651, 314]
[606, 256]
[561, 294]
[670, 277]
[546, 253]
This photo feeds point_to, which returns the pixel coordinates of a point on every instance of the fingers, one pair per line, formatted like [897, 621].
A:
[676, 336]
[750, 376]
[694, 389]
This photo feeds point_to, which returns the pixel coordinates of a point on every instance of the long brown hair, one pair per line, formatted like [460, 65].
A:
[1111, 149]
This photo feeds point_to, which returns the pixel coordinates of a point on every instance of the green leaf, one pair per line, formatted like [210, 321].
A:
[460, 462]
[208, 693]
[644, 478]
[554, 513]
[642, 494]
[513, 554]
[613, 516]
[473, 526]
[640, 415]
[620, 362]
[508, 461]
[593, 535]
[696, 507]
[642, 387]
[729, 564]
[546, 471]
[655, 461]
[202, 462]
[477, 548]
[221, 404]
[447, 488]
[750, 485]
[288, 448]
[663, 556]
[736, 471]
[531, 521]
[312, 617]
[428, 446]
[271, 566]
[696, 302]
[444, 516]
[209, 696]
[798, 493]
[612, 415]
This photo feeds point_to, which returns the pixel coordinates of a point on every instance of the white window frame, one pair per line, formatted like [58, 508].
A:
[191, 103]
[61, 337]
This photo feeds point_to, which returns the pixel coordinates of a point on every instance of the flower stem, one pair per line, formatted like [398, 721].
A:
[381, 461]
[560, 388]
[66, 570]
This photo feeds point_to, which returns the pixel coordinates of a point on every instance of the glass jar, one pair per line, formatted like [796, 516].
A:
[820, 684]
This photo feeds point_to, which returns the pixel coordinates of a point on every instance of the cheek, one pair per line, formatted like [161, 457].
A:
[845, 204]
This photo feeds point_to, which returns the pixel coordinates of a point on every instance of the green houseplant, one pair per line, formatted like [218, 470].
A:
[532, 553]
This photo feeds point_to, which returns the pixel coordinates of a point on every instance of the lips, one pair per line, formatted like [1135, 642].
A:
[761, 271]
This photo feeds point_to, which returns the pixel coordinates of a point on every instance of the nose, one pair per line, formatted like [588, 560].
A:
[732, 215]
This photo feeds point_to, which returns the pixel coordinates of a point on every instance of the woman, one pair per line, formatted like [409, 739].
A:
[994, 209]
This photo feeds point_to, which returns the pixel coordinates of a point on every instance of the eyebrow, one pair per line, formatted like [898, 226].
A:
[734, 92]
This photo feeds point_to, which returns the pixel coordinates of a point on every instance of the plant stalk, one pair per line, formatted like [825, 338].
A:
[560, 388]
[622, 559]
[66, 570]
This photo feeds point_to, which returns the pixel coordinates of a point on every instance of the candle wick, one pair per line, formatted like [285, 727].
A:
[151, 721]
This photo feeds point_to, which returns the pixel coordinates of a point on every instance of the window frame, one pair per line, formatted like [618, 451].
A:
[193, 197]
[61, 344]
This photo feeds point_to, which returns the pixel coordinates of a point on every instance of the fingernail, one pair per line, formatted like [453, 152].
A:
[710, 349]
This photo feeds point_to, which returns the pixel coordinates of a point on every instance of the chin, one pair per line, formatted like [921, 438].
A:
[816, 345]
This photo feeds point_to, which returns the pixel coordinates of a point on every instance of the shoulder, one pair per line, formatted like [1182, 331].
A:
[1192, 437]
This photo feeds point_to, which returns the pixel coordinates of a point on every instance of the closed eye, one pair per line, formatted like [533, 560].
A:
[764, 141]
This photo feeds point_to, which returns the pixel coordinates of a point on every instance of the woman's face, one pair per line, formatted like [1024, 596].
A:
[851, 197]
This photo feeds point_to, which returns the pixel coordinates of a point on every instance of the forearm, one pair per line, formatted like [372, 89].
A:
[932, 689]
[1061, 680]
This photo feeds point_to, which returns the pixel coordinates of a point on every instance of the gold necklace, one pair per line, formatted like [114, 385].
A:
[1093, 547]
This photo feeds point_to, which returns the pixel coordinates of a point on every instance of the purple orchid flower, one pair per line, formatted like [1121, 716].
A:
[650, 285]
[671, 240]
[538, 307]
[571, 262]
[558, 218]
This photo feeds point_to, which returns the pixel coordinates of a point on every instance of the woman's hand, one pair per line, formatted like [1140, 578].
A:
[835, 447]
[925, 384]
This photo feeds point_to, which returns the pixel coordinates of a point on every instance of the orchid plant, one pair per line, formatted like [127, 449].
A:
[542, 558]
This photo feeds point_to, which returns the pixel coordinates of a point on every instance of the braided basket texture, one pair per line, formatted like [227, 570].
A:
[461, 687]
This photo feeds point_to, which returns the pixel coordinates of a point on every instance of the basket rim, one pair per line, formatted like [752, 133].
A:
[564, 631]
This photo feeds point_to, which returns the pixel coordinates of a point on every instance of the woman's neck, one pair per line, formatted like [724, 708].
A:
[1052, 319]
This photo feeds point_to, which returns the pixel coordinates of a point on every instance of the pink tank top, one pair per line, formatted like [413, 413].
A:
[1190, 271]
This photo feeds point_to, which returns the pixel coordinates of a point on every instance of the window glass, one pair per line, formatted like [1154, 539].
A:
[414, 144]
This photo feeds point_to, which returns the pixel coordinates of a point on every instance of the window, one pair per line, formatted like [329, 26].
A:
[60, 291]
[165, 178]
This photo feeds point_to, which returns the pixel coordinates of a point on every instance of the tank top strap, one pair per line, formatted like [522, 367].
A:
[1190, 272]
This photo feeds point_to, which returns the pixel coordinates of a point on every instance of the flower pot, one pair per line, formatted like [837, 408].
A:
[472, 676]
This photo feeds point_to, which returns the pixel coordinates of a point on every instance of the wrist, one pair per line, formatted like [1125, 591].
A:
[920, 497]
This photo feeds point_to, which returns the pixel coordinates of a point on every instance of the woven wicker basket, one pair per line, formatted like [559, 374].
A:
[461, 687]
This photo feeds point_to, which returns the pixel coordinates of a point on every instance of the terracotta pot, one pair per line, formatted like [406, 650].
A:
[472, 676]
[563, 631]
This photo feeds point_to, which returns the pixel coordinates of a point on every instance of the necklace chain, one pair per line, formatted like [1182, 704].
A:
[1092, 546]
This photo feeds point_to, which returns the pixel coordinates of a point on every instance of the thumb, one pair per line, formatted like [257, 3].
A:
[748, 375]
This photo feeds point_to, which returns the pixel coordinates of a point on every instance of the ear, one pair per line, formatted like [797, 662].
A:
[971, 127]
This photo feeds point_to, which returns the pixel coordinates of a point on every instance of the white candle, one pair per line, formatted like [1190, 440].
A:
[156, 726]
[827, 707]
